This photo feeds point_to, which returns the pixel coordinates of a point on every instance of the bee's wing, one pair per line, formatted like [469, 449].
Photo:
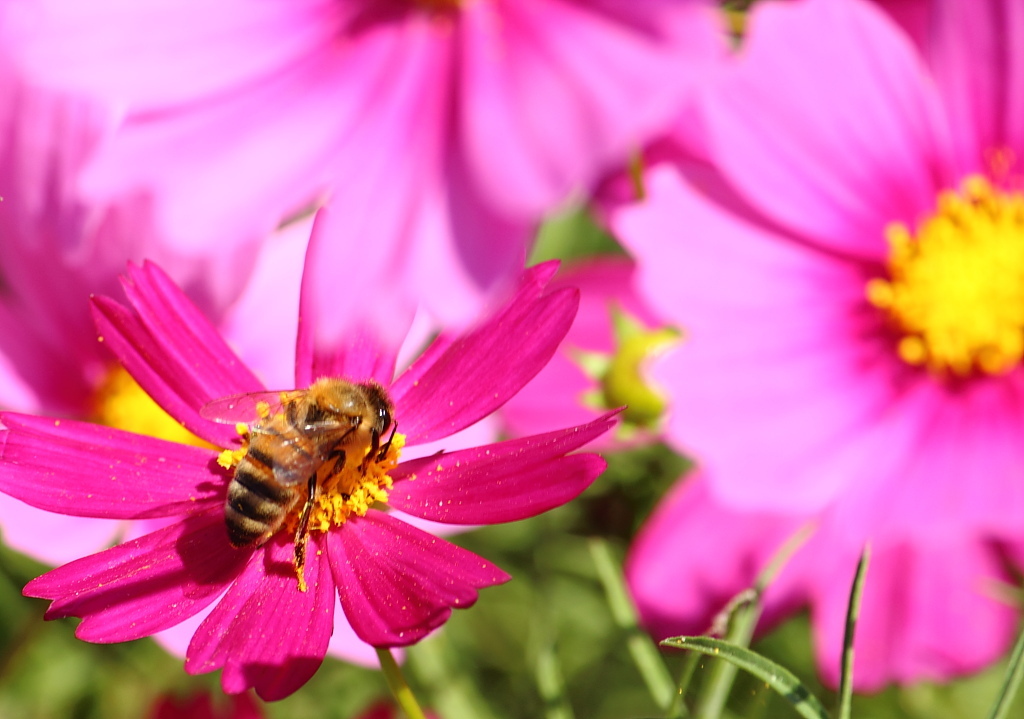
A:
[304, 456]
[248, 407]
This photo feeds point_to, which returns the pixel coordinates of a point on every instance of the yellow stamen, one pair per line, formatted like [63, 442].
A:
[346, 492]
[121, 403]
[955, 291]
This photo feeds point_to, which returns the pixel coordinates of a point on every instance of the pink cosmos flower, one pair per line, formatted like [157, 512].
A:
[838, 348]
[442, 129]
[395, 583]
[846, 274]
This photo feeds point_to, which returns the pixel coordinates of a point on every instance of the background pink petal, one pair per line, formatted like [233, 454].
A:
[929, 612]
[975, 53]
[849, 134]
[500, 482]
[784, 382]
[180, 50]
[611, 73]
[397, 583]
[144, 585]
[962, 471]
[85, 469]
[53, 538]
[480, 370]
[264, 632]
[694, 555]
[220, 176]
[263, 323]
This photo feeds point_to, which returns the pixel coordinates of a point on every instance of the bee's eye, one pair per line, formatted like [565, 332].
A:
[385, 418]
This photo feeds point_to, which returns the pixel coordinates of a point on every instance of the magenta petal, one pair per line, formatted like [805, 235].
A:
[89, 470]
[146, 585]
[172, 351]
[481, 370]
[500, 482]
[265, 633]
[397, 583]
[362, 353]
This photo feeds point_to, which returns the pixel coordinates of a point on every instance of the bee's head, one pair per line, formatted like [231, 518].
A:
[381, 404]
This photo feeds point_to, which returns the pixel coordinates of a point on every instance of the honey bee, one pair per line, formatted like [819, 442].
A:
[292, 436]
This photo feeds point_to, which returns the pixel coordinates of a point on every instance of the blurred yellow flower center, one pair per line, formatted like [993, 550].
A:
[122, 404]
[955, 291]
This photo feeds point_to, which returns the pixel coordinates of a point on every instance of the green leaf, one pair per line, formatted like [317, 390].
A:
[774, 675]
[852, 612]
[1011, 682]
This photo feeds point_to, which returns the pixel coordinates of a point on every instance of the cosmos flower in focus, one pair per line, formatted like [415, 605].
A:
[271, 617]
[441, 130]
[847, 277]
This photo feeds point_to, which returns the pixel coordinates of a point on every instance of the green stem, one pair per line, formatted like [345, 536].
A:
[398, 686]
[1011, 683]
[852, 612]
[552, 686]
[645, 653]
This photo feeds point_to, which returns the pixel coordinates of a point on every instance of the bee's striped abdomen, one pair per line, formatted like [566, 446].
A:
[256, 503]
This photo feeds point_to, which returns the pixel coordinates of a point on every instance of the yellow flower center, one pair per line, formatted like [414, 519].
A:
[955, 291]
[349, 492]
[122, 404]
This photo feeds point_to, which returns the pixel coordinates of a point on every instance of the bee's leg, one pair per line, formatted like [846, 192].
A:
[302, 533]
[387, 445]
[371, 455]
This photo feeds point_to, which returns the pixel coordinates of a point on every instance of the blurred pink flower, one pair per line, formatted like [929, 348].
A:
[441, 130]
[794, 388]
[396, 583]
[846, 272]
[695, 554]
[57, 250]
